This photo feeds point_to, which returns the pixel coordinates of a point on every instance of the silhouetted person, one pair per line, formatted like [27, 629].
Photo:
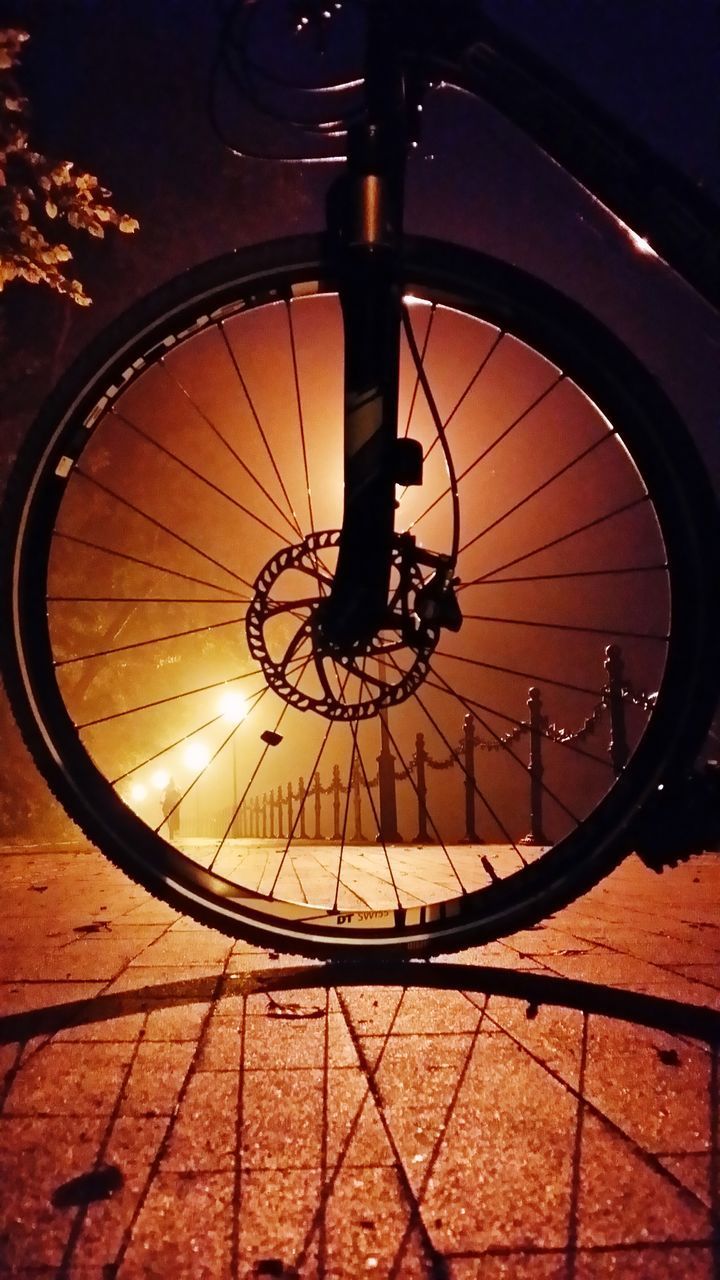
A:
[171, 808]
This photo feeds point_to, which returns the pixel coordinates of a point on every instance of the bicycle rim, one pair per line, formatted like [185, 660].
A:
[187, 478]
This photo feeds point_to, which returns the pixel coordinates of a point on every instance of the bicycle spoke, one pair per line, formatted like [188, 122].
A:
[300, 414]
[510, 755]
[158, 524]
[587, 573]
[440, 840]
[148, 564]
[513, 671]
[567, 626]
[140, 644]
[518, 506]
[504, 715]
[555, 542]
[489, 448]
[416, 385]
[294, 520]
[186, 466]
[294, 528]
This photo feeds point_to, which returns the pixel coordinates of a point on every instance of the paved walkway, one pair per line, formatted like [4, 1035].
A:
[175, 1105]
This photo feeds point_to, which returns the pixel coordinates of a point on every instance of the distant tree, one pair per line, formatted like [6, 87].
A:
[37, 194]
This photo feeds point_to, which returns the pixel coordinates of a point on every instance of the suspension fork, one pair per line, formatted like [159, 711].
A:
[365, 219]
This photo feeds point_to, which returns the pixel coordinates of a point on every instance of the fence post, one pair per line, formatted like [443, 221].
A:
[289, 794]
[388, 833]
[317, 792]
[618, 745]
[301, 801]
[279, 807]
[357, 834]
[536, 835]
[471, 835]
[420, 757]
[264, 814]
[271, 802]
[256, 817]
[335, 786]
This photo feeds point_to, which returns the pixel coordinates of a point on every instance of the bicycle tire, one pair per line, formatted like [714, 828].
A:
[650, 448]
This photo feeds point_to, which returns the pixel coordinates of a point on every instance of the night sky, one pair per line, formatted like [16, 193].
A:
[120, 86]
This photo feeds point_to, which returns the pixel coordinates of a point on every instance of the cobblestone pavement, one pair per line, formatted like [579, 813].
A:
[176, 1105]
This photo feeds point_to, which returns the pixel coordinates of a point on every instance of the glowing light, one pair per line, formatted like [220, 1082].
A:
[196, 755]
[138, 792]
[232, 706]
[160, 779]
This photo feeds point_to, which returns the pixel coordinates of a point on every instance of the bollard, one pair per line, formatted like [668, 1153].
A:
[335, 787]
[301, 800]
[279, 807]
[387, 798]
[536, 835]
[471, 835]
[357, 835]
[618, 749]
[317, 794]
[421, 786]
[289, 794]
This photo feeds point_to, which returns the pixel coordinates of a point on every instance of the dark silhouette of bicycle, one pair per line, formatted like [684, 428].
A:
[314, 499]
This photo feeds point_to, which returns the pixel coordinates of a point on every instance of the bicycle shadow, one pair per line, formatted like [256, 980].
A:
[433, 1119]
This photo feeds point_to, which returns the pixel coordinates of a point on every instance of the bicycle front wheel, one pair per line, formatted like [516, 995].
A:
[174, 524]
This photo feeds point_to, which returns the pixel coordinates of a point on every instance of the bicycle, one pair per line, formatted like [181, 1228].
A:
[454, 484]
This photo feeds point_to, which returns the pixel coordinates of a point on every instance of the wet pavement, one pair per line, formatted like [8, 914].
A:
[179, 1105]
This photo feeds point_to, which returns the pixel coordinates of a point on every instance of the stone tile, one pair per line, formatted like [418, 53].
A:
[643, 1263]
[36, 1156]
[187, 949]
[654, 1086]
[281, 1215]
[204, 1136]
[502, 1175]
[133, 1147]
[184, 1229]
[282, 1119]
[515, 1266]
[623, 1198]
[156, 1079]
[551, 1035]
[355, 1134]
[59, 1081]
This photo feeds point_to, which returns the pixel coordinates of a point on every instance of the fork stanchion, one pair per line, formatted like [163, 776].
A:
[537, 725]
[421, 787]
